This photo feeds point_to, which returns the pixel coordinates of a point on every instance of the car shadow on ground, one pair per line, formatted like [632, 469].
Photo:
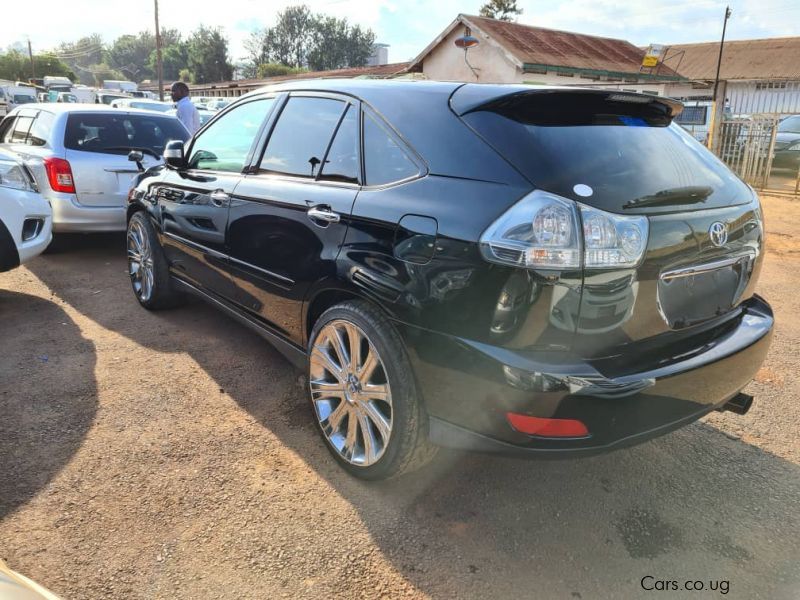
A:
[692, 505]
[39, 436]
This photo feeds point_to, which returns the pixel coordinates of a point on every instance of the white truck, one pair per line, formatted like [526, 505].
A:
[15, 94]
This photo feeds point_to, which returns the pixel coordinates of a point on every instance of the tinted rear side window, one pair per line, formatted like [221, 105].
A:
[301, 136]
[21, 128]
[617, 153]
[117, 134]
[39, 133]
[385, 161]
[341, 164]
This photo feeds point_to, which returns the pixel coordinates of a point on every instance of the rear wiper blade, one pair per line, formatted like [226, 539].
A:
[689, 194]
[129, 148]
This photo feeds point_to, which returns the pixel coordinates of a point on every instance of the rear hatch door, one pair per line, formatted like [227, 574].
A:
[622, 154]
[97, 146]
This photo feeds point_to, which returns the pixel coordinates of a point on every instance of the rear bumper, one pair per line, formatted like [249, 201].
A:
[469, 387]
[71, 217]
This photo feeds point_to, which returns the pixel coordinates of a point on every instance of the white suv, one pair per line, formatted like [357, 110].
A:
[26, 219]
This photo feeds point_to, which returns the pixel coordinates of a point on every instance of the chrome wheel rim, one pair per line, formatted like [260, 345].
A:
[350, 392]
[140, 261]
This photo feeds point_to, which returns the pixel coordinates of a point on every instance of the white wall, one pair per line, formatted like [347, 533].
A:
[446, 62]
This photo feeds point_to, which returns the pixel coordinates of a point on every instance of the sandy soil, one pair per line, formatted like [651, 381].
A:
[172, 455]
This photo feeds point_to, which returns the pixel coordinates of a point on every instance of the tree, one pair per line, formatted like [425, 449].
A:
[502, 10]
[82, 54]
[207, 55]
[276, 70]
[174, 58]
[336, 45]
[302, 39]
[186, 76]
[16, 66]
[130, 54]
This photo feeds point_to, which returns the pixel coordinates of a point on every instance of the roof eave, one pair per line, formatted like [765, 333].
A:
[529, 67]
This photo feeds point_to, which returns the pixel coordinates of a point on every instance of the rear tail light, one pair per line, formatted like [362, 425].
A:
[543, 427]
[59, 174]
[546, 231]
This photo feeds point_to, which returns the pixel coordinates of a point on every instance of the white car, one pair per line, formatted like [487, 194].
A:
[26, 219]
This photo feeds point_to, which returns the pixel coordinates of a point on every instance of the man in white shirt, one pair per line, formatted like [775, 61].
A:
[187, 112]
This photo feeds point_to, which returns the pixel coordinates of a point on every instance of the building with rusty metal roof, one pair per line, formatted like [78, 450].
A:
[508, 52]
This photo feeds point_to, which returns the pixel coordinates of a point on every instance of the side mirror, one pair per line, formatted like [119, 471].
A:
[137, 156]
[173, 155]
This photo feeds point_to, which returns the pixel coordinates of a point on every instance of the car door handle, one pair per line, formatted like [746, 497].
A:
[323, 214]
[219, 198]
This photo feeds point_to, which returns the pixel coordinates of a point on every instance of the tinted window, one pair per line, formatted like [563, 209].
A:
[21, 128]
[39, 132]
[301, 136]
[623, 151]
[384, 159]
[692, 115]
[6, 127]
[224, 146]
[341, 164]
[117, 134]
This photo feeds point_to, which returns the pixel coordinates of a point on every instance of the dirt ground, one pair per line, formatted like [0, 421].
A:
[172, 455]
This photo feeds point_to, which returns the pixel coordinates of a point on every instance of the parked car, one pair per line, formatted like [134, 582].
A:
[102, 97]
[205, 115]
[15, 586]
[26, 218]
[154, 105]
[17, 95]
[67, 97]
[787, 144]
[78, 154]
[428, 251]
[217, 103]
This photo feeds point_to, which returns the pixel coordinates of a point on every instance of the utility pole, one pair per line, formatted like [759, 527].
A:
[721, 45]
[716, 113]
[159, 64]
[30, 55]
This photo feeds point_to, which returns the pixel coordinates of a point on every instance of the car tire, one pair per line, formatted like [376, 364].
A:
[376, 393]
[147, 266]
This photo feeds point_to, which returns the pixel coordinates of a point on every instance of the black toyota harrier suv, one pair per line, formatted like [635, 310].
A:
[540, 271]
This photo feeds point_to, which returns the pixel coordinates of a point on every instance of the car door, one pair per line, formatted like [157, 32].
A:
[291, 212]
[194, 202]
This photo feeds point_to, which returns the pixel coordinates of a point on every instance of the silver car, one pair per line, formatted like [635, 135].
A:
[78, 154]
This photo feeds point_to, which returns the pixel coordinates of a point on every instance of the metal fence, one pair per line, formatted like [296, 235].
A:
[747, 146]
[747, 135]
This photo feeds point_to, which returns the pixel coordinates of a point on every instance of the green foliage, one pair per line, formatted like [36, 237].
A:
[302, 39]
[174, 58]
[186, 76]
[276, 70]
[503, 10]
[207, 54]
[16, 66]
[82, 55]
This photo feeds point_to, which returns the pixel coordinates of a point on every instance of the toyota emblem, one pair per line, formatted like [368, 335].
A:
[718, 232]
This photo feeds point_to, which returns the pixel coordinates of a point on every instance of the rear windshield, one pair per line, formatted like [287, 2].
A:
[118, 134]
[615, 156]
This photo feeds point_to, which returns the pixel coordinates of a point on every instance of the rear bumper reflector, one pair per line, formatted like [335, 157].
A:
[540, 426]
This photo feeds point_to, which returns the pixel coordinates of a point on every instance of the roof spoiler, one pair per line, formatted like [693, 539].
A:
[469, 98]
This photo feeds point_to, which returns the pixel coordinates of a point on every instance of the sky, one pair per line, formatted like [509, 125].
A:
[410, 25]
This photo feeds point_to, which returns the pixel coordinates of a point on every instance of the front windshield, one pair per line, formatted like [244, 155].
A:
[23, 99]
[790, 125]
